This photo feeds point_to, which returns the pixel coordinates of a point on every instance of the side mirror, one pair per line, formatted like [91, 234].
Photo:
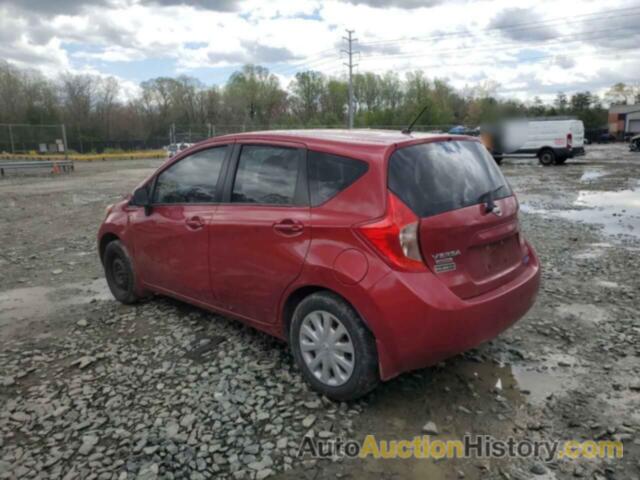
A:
[141, 199]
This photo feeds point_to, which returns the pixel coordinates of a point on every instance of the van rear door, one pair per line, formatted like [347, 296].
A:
[577, 133]
[468, 233]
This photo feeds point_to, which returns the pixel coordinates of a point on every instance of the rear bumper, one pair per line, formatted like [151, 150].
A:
[422, 322]
[577, 152]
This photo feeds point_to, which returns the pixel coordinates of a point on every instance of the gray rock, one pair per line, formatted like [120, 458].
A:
[538, 469]
[308, 421]
[264, 473]
[188, 420]
[430, 428]
[83, 362]
[88, 442]
[252, 449]
[148, 472]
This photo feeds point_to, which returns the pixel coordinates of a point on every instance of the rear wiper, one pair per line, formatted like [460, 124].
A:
[491, 205]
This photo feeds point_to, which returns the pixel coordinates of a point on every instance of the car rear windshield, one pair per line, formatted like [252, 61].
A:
[433, 178]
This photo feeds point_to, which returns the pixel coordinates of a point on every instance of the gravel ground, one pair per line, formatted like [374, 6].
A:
[93, 389]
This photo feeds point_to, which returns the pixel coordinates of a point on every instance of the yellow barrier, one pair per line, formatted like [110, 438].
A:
[90, 157]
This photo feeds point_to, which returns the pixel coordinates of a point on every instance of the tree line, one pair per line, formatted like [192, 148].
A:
[95, 117]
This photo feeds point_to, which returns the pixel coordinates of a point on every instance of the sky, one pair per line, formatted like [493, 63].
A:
[515, 49]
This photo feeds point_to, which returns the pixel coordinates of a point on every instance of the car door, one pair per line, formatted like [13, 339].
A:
[260, 234]
[172, 240]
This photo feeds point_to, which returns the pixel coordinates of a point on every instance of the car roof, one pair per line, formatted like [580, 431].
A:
[380, 139]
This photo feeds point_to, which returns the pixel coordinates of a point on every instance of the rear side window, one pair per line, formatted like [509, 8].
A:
[192, 179]
[433, 178]
[330, 174]
[267, 175]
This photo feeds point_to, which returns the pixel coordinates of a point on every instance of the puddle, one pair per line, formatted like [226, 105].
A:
[528, 208]
[591, 175]
[584, 312]
[594, 250]
[37, 302]
[554, 376]
[608, 284]
[459, 397]
[617, 212]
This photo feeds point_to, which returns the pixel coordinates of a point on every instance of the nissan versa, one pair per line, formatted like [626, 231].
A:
[372, 253]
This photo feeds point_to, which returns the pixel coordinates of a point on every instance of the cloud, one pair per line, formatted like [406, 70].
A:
[404, 4]
[204, 38]
[384, 49]
[266, 54]
[522, 24]
[216, 5]
[251, 52]
[564, 61]
[61, 7]
[73, 7]
[614, 32]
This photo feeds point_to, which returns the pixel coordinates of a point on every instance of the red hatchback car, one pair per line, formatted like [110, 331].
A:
[371, 252]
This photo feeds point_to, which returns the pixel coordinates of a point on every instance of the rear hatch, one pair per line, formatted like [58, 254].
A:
[468, 230]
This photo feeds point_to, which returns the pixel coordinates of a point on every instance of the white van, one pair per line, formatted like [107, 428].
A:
[551, 140]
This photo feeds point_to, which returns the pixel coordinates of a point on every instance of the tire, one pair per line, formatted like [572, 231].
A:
[118, 270]
[561, 160]
[498, 160]
[547, 157]
[325, 308]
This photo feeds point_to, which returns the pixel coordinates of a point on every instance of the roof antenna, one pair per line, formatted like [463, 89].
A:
[409, 129]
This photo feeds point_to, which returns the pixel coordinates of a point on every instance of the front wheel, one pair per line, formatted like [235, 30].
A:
[118, 270]
[333, 348]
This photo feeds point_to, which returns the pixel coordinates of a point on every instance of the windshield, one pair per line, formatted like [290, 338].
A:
[433, 178]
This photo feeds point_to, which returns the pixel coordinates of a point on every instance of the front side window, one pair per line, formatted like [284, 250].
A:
[331, 174]
[267, 175]
[192, 179]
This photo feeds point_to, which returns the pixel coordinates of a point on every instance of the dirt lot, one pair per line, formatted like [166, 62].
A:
[93, 389]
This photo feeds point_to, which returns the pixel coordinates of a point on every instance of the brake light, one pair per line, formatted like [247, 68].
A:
[395, 236]
[569, 140]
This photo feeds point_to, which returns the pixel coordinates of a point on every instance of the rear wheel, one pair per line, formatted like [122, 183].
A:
[334, 350]
[118, 270]
[547, 157]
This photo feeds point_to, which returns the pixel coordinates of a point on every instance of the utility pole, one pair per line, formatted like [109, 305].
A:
[349, 39]
[64, 142]
[11, 139]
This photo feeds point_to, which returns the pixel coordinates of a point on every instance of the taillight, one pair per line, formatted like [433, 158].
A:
[569, 140]
[395, 236]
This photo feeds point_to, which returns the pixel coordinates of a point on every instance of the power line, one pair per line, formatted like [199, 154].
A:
[317, 60]
[501, 47]
[520, 26]
[516, 61]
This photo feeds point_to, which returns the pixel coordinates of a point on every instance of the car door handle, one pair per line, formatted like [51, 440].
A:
[288, 227]
[195, 222]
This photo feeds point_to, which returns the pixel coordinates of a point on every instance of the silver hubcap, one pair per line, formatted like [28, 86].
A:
[326, 348]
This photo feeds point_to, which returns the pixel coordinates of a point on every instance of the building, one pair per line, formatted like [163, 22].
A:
[624, 120]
